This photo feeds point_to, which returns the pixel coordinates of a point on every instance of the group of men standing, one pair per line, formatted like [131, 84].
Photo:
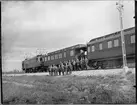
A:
[67, 67]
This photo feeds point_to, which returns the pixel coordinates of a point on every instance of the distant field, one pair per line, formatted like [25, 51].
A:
[69, 89]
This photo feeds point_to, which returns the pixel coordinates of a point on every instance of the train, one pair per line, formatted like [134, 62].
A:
[102, 53]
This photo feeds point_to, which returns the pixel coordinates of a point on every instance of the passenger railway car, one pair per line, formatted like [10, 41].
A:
[63, 55]
[106, 51]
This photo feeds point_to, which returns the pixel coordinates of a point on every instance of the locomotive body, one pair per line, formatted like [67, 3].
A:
[106, 51]
[33, 64]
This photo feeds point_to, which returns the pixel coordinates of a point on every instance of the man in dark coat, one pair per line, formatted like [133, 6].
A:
[55, 70]
[51, 69]
[59, 69]
[77, 64]
[69, 67]
[81, 64]
[74, 65]
[62, 68]
[66, 68]
[86, 63]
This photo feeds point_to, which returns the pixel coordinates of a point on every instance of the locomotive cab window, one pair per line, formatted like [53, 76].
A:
[89, 49]
[109, 44]
[116, 43]
[133, 39]
[100, 46]
[93, 48]
[39, 59]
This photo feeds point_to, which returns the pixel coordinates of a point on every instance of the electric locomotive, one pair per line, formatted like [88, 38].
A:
[32, 65]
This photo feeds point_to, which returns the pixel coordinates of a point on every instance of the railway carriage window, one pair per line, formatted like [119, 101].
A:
[100, 46]
[52, 57]
[89, 49]
[93, 48]
[64, 54]
[48, 58]
[60, 55]
[133, 39]
[56, 56]
[71, 53]
[45, 58]
[116, 43]
[109, 44]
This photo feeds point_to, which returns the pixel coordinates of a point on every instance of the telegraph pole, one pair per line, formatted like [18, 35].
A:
[120, 9]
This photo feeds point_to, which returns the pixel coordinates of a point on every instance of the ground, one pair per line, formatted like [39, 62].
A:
[77, 88]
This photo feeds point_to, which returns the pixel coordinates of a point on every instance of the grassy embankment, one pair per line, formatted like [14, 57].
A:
[69, 89]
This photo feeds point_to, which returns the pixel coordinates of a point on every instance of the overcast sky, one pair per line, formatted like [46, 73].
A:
[28, 25]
